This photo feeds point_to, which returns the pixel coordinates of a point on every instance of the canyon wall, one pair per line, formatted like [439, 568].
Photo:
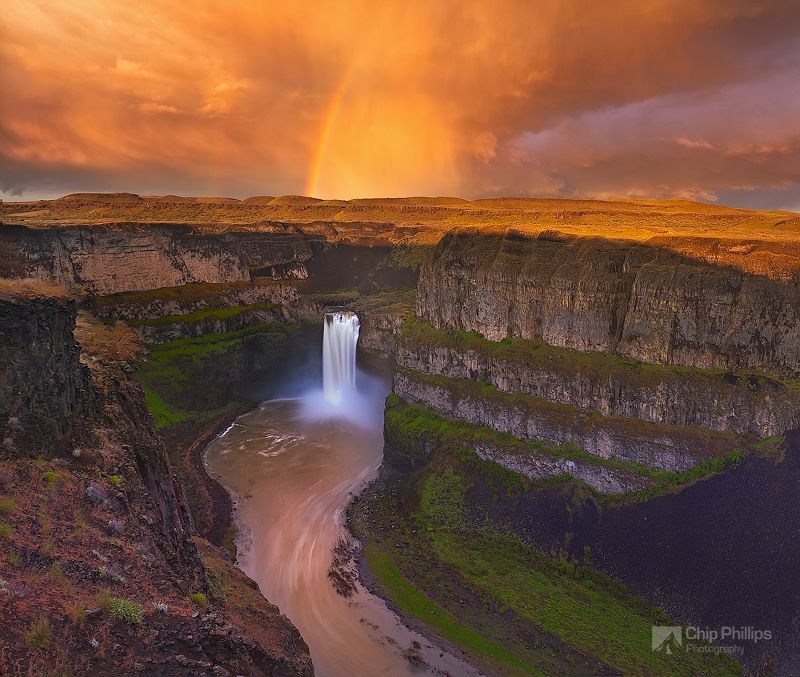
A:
[106, 260]
[46, 395]
[90, 496]
[746, 404]
[113, 258]
[632, 299]
[672, 448]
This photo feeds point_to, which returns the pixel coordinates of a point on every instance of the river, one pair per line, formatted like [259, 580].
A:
[291, 477]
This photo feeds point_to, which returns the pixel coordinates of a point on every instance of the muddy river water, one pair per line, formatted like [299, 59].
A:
[291, 477]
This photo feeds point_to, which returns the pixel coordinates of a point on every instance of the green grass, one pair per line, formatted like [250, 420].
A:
[7, 505]
[199, 599]
[173, 368]
[414, 603]
[38, 635]
[163, 413]
[570, 602]
[51, 478]
[476, 585]
[169, 357]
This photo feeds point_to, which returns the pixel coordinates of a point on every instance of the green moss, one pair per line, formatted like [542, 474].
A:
[205, 314]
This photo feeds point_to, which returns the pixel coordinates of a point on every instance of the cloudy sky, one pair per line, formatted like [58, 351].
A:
[653, 98]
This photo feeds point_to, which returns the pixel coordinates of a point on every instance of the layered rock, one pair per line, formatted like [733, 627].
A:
[632, 299]
[174, 313]
[105, 260]
[672, 448]
[408, 448]
[745, 403]
[188, 300]
[120, 257]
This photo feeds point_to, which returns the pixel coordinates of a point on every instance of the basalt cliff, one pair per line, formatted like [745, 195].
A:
[102, 571]
[547, 383]
[641, 301]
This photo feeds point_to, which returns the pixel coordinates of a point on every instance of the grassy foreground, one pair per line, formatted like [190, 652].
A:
[510, 607]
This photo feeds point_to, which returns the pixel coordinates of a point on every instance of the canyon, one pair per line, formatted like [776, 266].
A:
[552, 362]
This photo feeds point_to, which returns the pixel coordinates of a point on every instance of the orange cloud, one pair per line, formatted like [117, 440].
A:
[344, 99]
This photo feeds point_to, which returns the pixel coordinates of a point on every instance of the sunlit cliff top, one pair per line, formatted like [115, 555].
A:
[751, 239]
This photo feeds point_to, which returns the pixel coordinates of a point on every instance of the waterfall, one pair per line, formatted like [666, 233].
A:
[339, 339]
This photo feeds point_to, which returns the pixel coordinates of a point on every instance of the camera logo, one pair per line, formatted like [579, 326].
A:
[667, 638]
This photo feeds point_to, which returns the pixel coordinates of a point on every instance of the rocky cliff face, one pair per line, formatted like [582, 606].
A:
[103, 527]
[46, 396]
[112, 258]
[174, 313]
[747, 405]
[105, 260]
[672, 448]
[632, 299]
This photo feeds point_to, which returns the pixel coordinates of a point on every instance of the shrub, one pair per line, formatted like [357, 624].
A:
[103, 599]
[126, 610]
[7, 505]
[38, 636]
[50, 478]
[115, 480]
[216, 585]
[76, 613]
[199, 599]
[5, 530]
[13, 558]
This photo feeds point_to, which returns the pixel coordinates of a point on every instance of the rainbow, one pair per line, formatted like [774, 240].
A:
[329, 119]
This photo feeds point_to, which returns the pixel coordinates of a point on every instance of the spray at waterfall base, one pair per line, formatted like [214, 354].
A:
[347, 392]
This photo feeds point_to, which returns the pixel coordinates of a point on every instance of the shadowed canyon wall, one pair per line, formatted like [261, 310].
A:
[641, 301]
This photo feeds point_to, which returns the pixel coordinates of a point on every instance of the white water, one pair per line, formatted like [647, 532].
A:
[339, 340]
